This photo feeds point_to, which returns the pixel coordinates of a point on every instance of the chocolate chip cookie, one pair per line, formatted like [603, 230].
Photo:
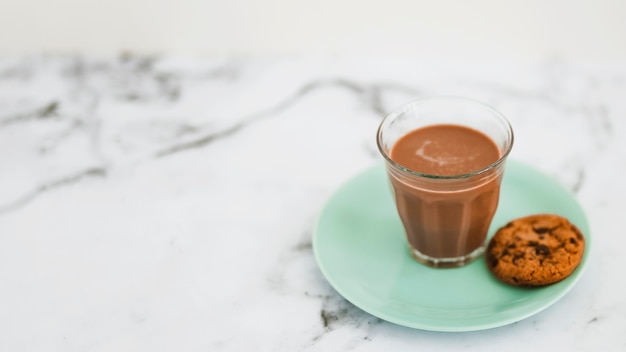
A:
[536, 250]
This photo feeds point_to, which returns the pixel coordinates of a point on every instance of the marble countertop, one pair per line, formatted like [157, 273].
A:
[168, 203]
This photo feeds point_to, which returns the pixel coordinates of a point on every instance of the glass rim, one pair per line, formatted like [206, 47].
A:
[403, 108]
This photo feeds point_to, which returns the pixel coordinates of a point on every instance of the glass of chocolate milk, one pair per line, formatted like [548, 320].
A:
[445, 159]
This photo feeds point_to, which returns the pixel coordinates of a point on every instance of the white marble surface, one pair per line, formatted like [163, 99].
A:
[167, 203]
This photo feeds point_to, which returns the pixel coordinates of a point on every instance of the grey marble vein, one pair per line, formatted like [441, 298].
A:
[51, 185]
[46, 111]
[370, 94]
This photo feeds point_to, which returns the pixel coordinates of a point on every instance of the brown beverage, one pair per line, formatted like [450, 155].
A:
[434, 218]
[445, 160]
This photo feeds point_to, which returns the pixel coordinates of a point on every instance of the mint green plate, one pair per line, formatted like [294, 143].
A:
[360, 248]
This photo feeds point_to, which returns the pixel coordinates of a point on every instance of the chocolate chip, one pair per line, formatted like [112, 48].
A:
[493, 261]
[542, 250]
[541, 229]
[578, 234]
[533, 243]
[573, 241]
[518, 256]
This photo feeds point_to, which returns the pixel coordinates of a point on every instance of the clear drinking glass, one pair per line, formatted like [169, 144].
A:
[446, 218]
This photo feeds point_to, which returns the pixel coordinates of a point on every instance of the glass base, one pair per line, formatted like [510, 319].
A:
[453, 262]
